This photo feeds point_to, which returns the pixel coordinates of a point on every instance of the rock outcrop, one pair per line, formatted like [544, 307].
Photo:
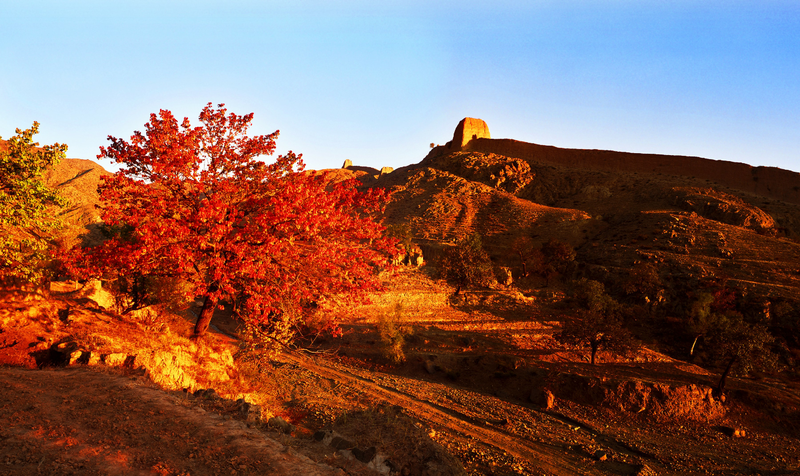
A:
[723, 207]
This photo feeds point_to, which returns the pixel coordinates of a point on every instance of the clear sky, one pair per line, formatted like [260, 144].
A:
[378, 81]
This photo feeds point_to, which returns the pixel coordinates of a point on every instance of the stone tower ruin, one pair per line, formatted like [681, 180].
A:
[469, 128]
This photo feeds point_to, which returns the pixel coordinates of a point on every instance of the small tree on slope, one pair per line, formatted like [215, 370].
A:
[732, 342]
[597, 331]
[467, 264]
[204, 209]
[598, 325]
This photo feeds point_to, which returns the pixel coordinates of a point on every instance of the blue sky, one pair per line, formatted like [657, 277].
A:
[377, 82]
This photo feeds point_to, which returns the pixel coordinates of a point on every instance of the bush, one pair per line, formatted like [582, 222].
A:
[393, 334]
[467, 264]
[555, 259]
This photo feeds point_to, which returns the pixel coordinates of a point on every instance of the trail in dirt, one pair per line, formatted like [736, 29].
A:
[543, 455]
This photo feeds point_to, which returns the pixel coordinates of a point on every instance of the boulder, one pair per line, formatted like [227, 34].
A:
[93, 290]
[249, 411]
[549, 400]
[207, 394]
[340, 443]
[733, 432]
[115, 360]
[430, 367]
[365, 456]
[600, 455]
[280, 424]
[62, 353]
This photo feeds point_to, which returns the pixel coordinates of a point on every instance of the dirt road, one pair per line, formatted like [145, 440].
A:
[474, 422]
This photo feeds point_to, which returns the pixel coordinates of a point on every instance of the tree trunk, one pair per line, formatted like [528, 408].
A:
[594, 351]
[721, 384]
[204, 319]
[691, 351]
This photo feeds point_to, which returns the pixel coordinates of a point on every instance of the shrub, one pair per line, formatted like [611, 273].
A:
[467, 264]
[393, 334]
[554, 259]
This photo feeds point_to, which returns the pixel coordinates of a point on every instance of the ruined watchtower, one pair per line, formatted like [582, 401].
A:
[469, 128]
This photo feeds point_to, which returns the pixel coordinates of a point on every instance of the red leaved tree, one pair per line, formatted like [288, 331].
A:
[198, 205]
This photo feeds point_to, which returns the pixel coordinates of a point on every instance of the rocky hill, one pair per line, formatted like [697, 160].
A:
[696, 218]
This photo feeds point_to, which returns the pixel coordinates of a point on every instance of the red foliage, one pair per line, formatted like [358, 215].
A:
[202, 207]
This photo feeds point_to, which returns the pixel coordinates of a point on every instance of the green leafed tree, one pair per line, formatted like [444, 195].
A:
[701, 318]
[597, 324]
[597, 331]
[644, 283]
[467, 264]
[524, 248]
[27, 218]
[555, 259]
[736, 344]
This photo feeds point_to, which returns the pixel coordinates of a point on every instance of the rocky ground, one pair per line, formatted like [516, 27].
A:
[484, 389]
[498, 393]
[81, 421]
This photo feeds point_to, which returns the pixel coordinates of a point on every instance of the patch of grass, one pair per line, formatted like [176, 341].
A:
[393, 333]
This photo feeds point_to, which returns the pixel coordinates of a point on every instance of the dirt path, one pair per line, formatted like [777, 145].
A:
[543, 456]
[81, 421]
[499, 435]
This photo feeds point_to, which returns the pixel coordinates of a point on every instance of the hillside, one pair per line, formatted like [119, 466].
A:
[695, 217]
[77, 181]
